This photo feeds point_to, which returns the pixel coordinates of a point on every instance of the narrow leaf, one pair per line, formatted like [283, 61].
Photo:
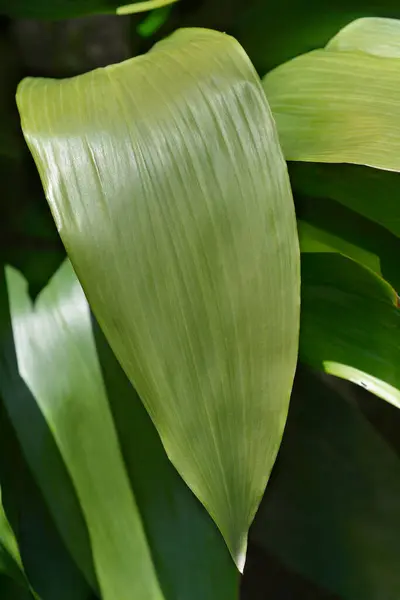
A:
[331, 511]
[350, 324]
[105, 436]
[170, 192]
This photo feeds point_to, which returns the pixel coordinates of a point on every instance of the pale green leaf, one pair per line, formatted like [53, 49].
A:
[333, 106]
[372, 35]
[158, 539]
[350, 324]
[171, 194]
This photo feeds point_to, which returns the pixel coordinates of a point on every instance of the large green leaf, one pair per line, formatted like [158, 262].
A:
[350, 324]
[149, 535]
[334, 106]
[56, 9]
[170, 192]
[331, 511]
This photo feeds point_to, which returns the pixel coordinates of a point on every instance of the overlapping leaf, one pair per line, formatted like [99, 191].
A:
[170, 192]
[350, 324]
[149, 536]
[332, 512]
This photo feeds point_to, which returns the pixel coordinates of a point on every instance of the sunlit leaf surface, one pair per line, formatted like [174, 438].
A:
[335, 106]
[171, 194]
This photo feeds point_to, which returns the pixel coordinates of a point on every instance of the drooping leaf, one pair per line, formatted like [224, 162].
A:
[350, 324]
[58, 9]
[333, 106]
[93, 412]
[326, 226]
[373, 193]
[170, 192]
[377, 36]
[331, 511]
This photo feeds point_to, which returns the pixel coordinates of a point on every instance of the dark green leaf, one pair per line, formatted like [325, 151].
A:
[350, 324]
[48, 566]
[373, 193]
[326, 226]
[332, 509]
[169, 189]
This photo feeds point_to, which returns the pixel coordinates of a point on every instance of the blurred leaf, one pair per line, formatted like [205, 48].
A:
[274, 32]
[350, 324]
[373, 36]
[373, 193]
[160, 543]
[333, 106]
[326, 226]
[179, 220]
[152, 23]
[331, 511]
[59, 9]
[10, 590]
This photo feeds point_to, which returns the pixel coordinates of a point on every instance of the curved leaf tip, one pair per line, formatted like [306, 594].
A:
[171, 194]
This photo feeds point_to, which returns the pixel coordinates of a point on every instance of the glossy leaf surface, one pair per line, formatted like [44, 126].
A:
[331, 511]
[171, 194]
[350, 324]
[105, 436]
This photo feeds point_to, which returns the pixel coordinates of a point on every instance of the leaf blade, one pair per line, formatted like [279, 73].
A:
[160, 322]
